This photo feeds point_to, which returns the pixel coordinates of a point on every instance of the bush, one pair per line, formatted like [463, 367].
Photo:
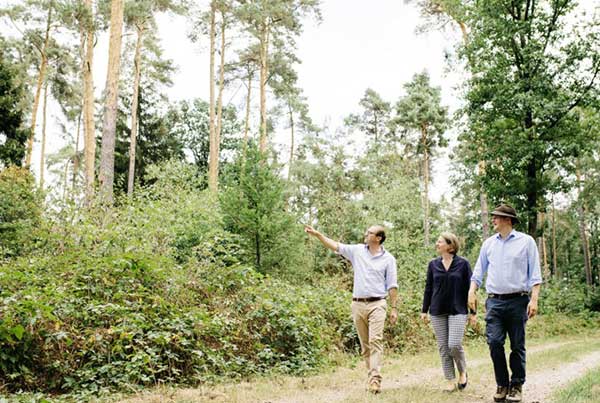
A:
[20, 211]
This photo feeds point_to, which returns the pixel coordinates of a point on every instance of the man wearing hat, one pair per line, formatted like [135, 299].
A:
[511, 260]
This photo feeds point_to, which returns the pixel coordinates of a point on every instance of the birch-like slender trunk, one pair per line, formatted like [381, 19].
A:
[425, 185]
[213, 158]
[291, 112]
[247, 118]
[89, 126]
[134, 107]
[264, 74]
[44, 124]
[555, 270]
[107, 161]
[483, 202]
[219, 125]
[40, 83]
[76, 160]
[585, 244]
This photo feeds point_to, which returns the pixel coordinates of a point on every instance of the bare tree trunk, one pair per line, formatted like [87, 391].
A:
[107, 161]
[40, 83]
[292, 143]
[557, 274]
[213, 158]
[485, 220]
[76, 160]
[542, 246]
[264, 74]
[43, 152]
[89, 126]
[134, 107]
[585, 244]
[220, 102]
[425, 186]
[247, 122]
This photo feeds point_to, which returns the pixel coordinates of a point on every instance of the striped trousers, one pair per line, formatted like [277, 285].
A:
[449, 331]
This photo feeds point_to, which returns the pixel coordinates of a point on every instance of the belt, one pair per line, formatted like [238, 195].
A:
[508, 296]
[367, 299]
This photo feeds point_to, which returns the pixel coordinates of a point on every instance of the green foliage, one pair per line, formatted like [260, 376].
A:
[189, 122]
[532, 65]
[12, 134]
[254, 208]
[20, 211]
[421, 112]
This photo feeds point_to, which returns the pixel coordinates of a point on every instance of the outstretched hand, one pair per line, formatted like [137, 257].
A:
[310, 230]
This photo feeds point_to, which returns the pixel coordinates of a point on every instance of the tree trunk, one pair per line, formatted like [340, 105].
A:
[554, 257]
[76, 160]
[585, 244]
[532, 198]
[247, 122]
[264, 74]
[107, 161]
[425, 185]
[220, 102]
[39, 85]
[134, 107]
[483, 202]
[542, 247]
[89, 126]
[43, 152]
[213, 157]
[292, 143]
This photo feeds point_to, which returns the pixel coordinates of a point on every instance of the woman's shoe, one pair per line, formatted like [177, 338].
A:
[461, 386]
[450, 387]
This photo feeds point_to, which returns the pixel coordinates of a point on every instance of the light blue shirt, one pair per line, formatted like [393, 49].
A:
[373, 275]
[512, 264]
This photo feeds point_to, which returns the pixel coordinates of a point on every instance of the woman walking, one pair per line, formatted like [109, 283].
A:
[445, 298]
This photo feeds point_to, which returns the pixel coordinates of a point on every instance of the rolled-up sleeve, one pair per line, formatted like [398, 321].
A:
[481, 266]
[391, 275]
[534, 272]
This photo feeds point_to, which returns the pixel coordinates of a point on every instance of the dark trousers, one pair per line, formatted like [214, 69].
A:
[507, 316]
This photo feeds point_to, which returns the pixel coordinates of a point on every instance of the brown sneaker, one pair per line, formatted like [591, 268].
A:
[501, 392]
[375, 387]
[515, 394]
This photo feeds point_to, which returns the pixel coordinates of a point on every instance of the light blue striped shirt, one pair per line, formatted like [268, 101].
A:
[512, 264]
[373, 275]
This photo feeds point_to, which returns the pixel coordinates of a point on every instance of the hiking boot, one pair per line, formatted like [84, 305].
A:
[501, 392]
[515, 393]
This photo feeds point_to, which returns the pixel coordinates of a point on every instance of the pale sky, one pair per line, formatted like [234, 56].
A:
[358, 45]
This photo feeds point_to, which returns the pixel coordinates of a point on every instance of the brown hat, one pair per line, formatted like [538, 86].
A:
[505, 210]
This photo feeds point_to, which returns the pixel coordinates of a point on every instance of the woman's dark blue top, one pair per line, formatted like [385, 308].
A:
[446, 292]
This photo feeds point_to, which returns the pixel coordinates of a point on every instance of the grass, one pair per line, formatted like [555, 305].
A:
[586, 389]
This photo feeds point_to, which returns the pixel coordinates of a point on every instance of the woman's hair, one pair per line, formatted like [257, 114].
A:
[451, 240]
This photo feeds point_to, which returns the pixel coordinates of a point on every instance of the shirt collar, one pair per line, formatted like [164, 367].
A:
[379, 254]
[511, 234]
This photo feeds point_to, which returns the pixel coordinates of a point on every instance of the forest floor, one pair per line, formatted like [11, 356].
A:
[551, 365]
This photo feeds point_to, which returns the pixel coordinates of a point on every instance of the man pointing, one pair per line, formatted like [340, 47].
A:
[374, 278]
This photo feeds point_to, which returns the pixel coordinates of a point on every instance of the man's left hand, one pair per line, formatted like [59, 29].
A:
[532, 308]
[393, 316]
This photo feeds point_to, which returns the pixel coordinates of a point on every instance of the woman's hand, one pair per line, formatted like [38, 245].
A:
[473, 320]
[425, 318]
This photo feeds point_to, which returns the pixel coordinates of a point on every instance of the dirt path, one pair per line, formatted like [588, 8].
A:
[406, 379]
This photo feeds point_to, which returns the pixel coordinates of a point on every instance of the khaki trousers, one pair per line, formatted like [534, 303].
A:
[369, 319]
